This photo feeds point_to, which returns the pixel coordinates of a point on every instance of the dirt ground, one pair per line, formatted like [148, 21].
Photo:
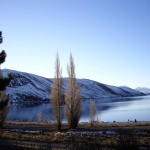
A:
[123, 135]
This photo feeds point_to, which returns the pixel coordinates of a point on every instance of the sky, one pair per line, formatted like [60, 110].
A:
[109, 39]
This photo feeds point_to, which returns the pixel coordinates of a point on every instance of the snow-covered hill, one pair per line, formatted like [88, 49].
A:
[143, 90]
[30, 87]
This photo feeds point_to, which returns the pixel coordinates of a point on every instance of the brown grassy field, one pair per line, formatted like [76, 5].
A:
[123, 135]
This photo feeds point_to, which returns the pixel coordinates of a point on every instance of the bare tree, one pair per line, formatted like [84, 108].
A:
[57, 94]
[92, 111]
[72, 97]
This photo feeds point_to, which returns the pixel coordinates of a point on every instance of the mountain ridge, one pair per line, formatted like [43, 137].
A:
[143, 90]
[30, 87]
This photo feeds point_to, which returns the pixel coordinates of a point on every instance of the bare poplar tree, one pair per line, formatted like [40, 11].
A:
[57, 94]
[72, 97]
[92, 111]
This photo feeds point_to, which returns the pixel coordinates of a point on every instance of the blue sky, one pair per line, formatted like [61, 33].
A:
[109, 39]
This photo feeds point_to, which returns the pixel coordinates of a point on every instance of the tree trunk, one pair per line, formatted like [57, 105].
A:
[59, 126]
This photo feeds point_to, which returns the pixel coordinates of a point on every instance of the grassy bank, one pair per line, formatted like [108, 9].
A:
[123, 135]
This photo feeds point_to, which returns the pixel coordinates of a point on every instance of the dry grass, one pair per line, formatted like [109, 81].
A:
[130, 135]
[116, 124]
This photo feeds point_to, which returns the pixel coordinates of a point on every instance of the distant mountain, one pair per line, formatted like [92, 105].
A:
[143, 90]
[29, 87]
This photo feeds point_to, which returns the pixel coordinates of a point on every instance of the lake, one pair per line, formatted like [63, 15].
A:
[107, 110]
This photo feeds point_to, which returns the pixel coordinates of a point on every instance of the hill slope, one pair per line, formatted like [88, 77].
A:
[30, 87]
[143, 90]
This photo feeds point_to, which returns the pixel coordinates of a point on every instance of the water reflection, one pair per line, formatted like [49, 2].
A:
[114, 109]
[25, 112]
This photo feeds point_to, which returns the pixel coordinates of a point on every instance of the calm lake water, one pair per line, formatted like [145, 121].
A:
[119, 109]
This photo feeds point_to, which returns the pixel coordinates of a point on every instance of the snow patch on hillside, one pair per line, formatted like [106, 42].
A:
[29, 87]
